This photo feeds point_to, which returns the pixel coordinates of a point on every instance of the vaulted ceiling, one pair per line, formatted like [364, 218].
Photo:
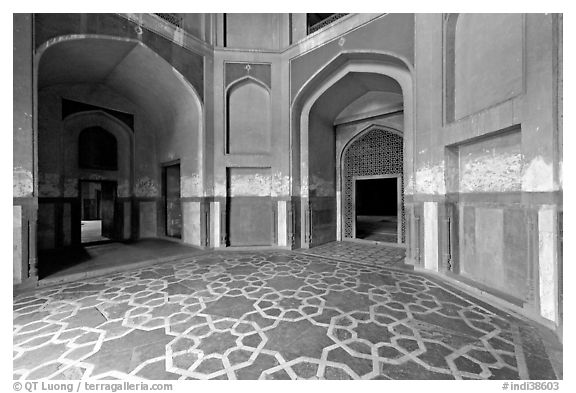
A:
[127, 67]
[358, 92]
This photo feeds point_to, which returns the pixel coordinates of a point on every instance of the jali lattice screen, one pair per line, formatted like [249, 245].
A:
[377, 152]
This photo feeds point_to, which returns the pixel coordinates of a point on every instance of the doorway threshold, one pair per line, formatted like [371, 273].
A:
[375, 242]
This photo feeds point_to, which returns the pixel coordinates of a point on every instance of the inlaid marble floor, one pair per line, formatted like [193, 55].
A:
[268, 315]
[360, 252]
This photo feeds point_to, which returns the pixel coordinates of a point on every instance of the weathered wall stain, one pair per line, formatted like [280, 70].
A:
[49, 185]
[280, 184]
[22, 182]
[409, 185]
[491, 173]
[123, 190]
[146, 188]
[191, 186]
[70, 188]
[250, 184]
[430, 179]
[538, 176]
[321, 188]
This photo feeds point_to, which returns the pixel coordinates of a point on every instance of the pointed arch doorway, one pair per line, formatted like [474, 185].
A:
[372, 186]
[319, 107]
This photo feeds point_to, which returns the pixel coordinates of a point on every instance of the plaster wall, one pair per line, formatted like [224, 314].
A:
[198, 25]
[17, 244]
[389, 33]
[495, 163]
[248, 122]
[23, 161]
[322, 178]
[253, 31]
[23, 181]
[181, 141]
[250, 216]
[264, 74]
[485, 75]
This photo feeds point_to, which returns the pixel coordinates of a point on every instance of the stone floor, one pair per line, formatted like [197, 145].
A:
[360, 252]
[377, 228]
[57, 265]
[268, 315]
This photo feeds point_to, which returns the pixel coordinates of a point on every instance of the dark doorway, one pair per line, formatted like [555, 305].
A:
[377, 208]
[97, 213]
[172, 203]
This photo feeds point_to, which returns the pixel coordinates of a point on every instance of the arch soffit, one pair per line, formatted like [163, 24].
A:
[41, 51]
[383, 63]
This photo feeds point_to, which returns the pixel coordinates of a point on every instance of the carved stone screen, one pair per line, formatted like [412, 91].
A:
[377, 152]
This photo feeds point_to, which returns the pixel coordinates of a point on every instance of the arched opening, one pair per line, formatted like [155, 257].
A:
[111, 114]
[351, 93]
[372, 186]
[97, 149]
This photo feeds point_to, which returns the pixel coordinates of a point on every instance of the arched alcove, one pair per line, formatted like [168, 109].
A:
[123, 75]
[97, 149]
[484, 61]
[248, 117]
[391, 73]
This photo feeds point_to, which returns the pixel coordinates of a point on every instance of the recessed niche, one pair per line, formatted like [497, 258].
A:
[483, 61]
[248, 118]
[493, 163]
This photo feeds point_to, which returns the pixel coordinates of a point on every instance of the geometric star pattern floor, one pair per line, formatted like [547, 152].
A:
[268, 315]
[364, 253]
